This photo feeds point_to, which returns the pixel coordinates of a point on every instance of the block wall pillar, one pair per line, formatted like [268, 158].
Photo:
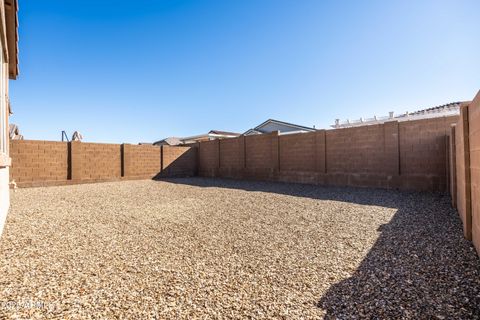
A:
[75, 161]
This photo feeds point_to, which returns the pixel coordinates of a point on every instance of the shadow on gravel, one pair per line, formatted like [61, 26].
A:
[380, 197]
[420, 266]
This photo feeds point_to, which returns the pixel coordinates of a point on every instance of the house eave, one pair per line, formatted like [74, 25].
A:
[11, 32]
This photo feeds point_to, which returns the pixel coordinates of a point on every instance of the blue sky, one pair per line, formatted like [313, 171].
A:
[123, 71]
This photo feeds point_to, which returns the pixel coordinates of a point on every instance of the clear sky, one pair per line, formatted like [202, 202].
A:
[131, 71]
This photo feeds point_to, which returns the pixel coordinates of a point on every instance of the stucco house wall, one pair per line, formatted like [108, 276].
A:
[8, 69]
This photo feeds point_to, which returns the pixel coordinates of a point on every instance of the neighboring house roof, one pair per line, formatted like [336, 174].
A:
[275, 125]
[225, 133]
[252, 131]
[445, 110]
[171, 141]
[14, 132]
[211, 135]
[11, 36]
[449, 108]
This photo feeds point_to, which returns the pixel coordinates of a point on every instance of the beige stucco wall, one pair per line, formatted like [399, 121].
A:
[4, 146]
[4, 196]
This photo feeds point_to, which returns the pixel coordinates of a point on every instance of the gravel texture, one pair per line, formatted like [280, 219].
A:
[199, 248]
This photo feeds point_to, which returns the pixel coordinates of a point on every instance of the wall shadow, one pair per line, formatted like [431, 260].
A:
[420, 266]
[177, 164]
[358, 195]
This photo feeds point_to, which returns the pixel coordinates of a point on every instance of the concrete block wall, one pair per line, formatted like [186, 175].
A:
[363, 156]
[424, 154]
[302, 157]
[38, 161]
[44, 163]
[299, 152]
[231, 154]
[407, 155]
[99, 161]
[465, 169]
[259, 153]
[178, 161]
[463, 192]
[453, 165]
[261, 156]
[356, 150]
[474, 140]
[209, 158]
[141, 161]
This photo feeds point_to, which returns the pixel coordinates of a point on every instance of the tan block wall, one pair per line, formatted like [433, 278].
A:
[423, 150]
[298, 152]
[209, 158]
[232, 153]
[474, 140]
[179, 161]
[261, 157]
[259, 152]
[453, 166]
[100, 161]
[425, 137]
[232, 157]
[38, 161]
[463, 172]
[141, 161]
[386, 155]
[356, 150]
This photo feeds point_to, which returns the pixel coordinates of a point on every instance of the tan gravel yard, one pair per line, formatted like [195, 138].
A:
[200, 248]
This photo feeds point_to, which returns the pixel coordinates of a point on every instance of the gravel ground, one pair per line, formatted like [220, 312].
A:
[199, 248]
